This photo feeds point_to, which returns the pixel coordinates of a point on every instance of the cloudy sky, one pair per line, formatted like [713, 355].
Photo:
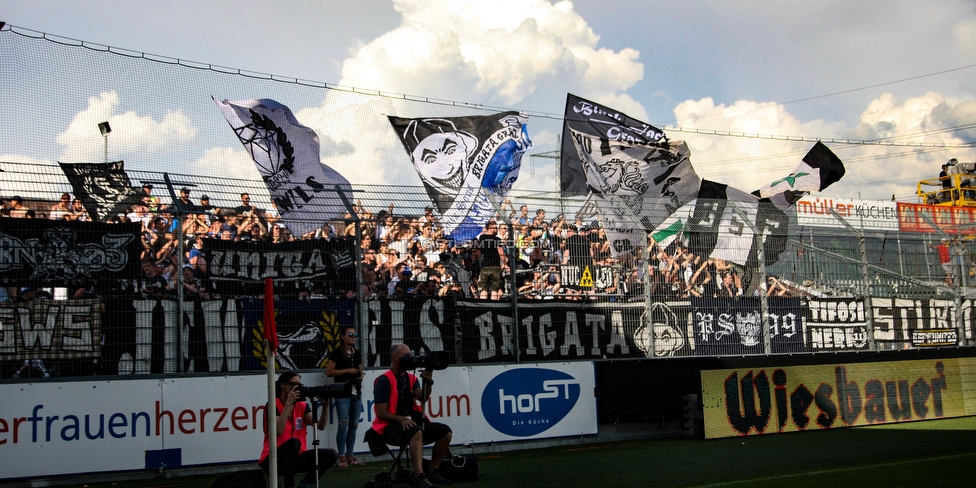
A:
[896, 70]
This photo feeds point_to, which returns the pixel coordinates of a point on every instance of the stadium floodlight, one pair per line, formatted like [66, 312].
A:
[105, 129]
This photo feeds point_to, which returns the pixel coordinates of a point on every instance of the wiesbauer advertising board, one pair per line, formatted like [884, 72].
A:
[750, 401]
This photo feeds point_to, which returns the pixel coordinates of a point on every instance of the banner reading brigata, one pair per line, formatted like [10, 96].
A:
[740, 402]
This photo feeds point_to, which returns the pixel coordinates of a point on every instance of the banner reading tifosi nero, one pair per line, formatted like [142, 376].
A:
[739, 402]
[318, 260]
[59, 252]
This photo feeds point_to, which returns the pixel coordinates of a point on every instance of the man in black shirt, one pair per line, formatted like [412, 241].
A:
[400, 419]
[492, 261]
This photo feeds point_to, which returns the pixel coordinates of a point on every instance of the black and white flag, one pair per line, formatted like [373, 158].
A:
[601, 122]
[103, 188]
[458, 157]
[819, 169]
[635, 187]
[718, 225]
[286, 153]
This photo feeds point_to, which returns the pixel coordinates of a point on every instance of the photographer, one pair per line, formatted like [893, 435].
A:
[400, 419]
[346, 365]
[293, 416]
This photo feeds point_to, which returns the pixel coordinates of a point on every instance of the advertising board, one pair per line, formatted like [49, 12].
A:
[101, 426]
[750, 401]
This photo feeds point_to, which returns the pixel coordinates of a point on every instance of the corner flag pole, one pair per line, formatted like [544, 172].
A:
[271, 344]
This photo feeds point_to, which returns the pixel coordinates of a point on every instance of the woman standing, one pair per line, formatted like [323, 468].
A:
[346, 365]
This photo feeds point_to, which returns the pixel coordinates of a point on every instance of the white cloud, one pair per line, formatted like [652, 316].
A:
[131, 133]
[873, 172]
[360, 142]
[743, 162]
[503, 52]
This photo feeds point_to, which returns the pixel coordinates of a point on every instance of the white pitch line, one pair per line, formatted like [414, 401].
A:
[828, 471]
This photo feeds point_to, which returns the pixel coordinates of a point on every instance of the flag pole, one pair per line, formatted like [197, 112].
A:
[272, 419]
[270, 346]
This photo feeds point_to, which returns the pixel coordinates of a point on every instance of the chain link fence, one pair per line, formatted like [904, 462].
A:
[176, 287]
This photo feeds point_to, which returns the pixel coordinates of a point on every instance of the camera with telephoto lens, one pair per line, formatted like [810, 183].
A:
[435, 360]
[335, 390]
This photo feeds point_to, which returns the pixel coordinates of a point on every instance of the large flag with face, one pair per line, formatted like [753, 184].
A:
[103, 188]
[286, 153]
[819, 169]
[463, 161]
[634, 185]
[601, 122]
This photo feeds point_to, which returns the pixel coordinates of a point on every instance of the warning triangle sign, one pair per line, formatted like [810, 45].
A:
[586, 281]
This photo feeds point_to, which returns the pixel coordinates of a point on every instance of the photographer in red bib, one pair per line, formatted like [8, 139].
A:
[400, 419]
[294, 415]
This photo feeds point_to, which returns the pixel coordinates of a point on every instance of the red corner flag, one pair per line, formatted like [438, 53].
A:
[270, 331]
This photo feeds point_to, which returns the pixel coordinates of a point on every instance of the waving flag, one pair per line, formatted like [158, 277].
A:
[459, 157]
[652, 182]
[819, 169]
[599, 122]
[718, 225]
[103, 188]
[286, 153]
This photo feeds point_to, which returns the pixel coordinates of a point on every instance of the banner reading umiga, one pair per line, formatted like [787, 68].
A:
[741, 402]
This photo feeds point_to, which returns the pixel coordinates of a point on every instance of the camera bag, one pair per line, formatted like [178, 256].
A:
[457, 468]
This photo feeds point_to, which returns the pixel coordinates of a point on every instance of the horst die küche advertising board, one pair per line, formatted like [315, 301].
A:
[534, 401]
[750, 401]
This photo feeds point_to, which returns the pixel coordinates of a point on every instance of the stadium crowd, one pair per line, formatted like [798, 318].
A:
[404, 255]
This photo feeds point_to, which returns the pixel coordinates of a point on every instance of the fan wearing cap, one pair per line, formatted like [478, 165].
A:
[210, 211]
[401, 281]
[153, 202]
[184, 201]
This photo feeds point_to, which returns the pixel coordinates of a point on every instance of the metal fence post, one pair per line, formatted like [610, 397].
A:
[959, 290]
[865, 278]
